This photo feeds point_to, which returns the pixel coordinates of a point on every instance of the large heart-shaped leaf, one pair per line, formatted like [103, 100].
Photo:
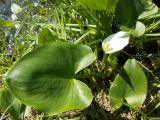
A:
[108, 5]
[44, 78]
[130, 85]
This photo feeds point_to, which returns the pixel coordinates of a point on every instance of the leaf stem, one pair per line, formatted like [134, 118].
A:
[138, 62]
[152, 35]
[5, 111]
[92, 75]
[129, 55]
[146, 68]
[153, 26]
[137, 110]
[154, 108]
[84, 35]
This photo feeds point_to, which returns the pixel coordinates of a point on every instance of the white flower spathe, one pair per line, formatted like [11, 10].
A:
[115, 42]
[15, 8]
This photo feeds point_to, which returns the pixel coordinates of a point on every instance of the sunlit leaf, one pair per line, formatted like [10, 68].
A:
[7, 23]
[108, 5]
[44, 78]
[130, 85]
[150, 9]
[138, 30]
[45, 36]
[115, 42]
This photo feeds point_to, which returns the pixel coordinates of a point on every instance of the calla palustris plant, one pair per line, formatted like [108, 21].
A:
[44, 78]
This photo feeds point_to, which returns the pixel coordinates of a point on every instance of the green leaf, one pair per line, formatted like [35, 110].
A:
[138, 30]
[45, 36]
[108, 5]
[10, 104]
[44, 78]
[129, 14]
[7, 23]
[150, 9]
[130, 85]
[113, 59]
[133, 10]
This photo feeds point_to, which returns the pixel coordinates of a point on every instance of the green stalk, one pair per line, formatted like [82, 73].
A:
[135, 109]
[138, 62]
[5, 111]
[84, 35]
[152, 35]
[153, 109]
[153, 26]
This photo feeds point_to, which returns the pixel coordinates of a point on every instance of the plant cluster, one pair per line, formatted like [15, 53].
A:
[80, 59]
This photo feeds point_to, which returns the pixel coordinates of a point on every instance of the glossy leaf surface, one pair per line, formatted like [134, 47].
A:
[44, 78]
[130, 85]
[108, 5]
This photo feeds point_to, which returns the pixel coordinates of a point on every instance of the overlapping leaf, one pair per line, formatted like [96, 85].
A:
[128, 12]
[108, 5]
[130, 85]
[44, 78]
